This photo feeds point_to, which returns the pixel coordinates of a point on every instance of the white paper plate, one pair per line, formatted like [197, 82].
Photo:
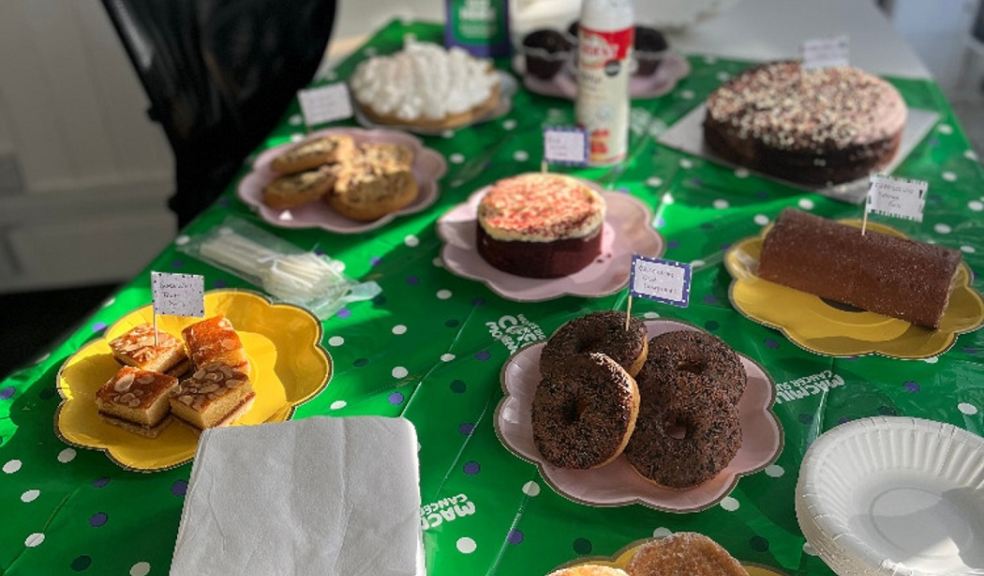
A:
[895, 497]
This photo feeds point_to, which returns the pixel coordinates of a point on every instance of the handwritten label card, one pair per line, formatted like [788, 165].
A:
[325, 104]
[825, 52]
[178, 294]
[661, 280]
[565, 146]
[897, 197]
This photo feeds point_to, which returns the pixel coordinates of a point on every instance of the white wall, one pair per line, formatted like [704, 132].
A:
[94, 171]
[938, 31]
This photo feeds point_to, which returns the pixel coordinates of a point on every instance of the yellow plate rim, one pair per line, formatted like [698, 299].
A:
[862, 350]
[325, 356]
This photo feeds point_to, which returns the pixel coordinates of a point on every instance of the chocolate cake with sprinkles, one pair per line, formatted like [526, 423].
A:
[823, 126]
[540, 225]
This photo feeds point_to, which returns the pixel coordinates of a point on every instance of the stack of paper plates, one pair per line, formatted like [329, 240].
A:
[895, 497]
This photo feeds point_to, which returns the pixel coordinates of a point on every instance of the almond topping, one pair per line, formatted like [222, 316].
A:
[230, 344]
[123, 384]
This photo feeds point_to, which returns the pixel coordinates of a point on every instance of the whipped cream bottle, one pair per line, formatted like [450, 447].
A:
[605, 35]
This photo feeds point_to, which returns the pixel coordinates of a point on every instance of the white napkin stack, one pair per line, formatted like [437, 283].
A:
[320, 496]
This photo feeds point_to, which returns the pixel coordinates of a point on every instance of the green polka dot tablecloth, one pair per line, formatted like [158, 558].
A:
[430, 348]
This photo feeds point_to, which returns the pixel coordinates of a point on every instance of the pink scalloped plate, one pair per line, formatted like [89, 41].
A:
[617, 483]
[564, 84]
[627, 230]
[428, 167]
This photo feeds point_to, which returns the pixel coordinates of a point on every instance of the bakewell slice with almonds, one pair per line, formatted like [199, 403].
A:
[137, 400]
[136, 348]
[215, 395]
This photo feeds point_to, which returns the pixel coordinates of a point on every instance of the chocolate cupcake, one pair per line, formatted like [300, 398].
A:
[572, 30]
[650, 46]
[545, 52]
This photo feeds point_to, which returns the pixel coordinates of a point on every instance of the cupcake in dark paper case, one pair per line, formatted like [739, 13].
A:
[545, 52]
[650, 46]
[572, 31]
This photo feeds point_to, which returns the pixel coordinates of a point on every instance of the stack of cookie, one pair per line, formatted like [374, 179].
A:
[359, 181]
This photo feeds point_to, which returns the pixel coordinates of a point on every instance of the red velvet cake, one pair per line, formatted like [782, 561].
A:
[540, 225]
[822, 126]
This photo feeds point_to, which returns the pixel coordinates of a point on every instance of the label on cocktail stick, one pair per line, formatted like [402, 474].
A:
[325, 104]
[565, 146]
[825, 52]
[665, 281]
[897, 197]
[178, 294]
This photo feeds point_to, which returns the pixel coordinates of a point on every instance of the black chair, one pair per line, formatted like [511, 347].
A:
[219, 75]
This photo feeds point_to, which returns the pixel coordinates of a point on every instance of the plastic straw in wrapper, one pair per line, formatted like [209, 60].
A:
[283, 270]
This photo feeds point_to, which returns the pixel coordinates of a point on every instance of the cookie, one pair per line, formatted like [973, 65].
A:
[366, 193]
[297, 189]
[313, 153]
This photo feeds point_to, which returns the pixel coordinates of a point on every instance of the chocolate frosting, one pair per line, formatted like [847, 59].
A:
[787, 107]
[583, 413]
[602, 332]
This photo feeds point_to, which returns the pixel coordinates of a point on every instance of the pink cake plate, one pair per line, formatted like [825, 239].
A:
[617, 483]
[428, 167]
[626, 231]
[673, 68]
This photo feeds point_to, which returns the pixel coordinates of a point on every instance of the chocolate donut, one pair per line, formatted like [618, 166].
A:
[584, 413]
[602, 332]
[684, 436]
[690, 353]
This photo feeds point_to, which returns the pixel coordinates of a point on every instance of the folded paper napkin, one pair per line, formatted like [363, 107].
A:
[320, 496]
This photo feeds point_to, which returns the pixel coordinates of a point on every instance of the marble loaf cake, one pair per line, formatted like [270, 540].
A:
[876, 272]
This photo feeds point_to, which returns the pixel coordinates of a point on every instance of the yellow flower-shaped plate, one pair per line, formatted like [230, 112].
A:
[622, 558]
[832, 330]
[288, 367]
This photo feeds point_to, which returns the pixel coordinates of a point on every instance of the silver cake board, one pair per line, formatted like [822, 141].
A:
[687, 134]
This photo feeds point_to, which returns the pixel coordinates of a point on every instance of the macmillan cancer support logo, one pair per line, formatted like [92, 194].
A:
[806, 386]
[514, 332]
[445, 510]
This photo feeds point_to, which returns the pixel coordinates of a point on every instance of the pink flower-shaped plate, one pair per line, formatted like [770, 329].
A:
[428, 167]
[672, 69]
[617, 483]
[626, 231]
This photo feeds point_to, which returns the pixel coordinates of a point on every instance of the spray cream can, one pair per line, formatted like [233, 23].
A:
[605, 36]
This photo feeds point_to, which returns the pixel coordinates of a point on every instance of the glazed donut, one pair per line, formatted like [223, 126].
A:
[588, 570]
[684, 435]
[683, 554]
[584, 414]
[597, 332]
[694, 354]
